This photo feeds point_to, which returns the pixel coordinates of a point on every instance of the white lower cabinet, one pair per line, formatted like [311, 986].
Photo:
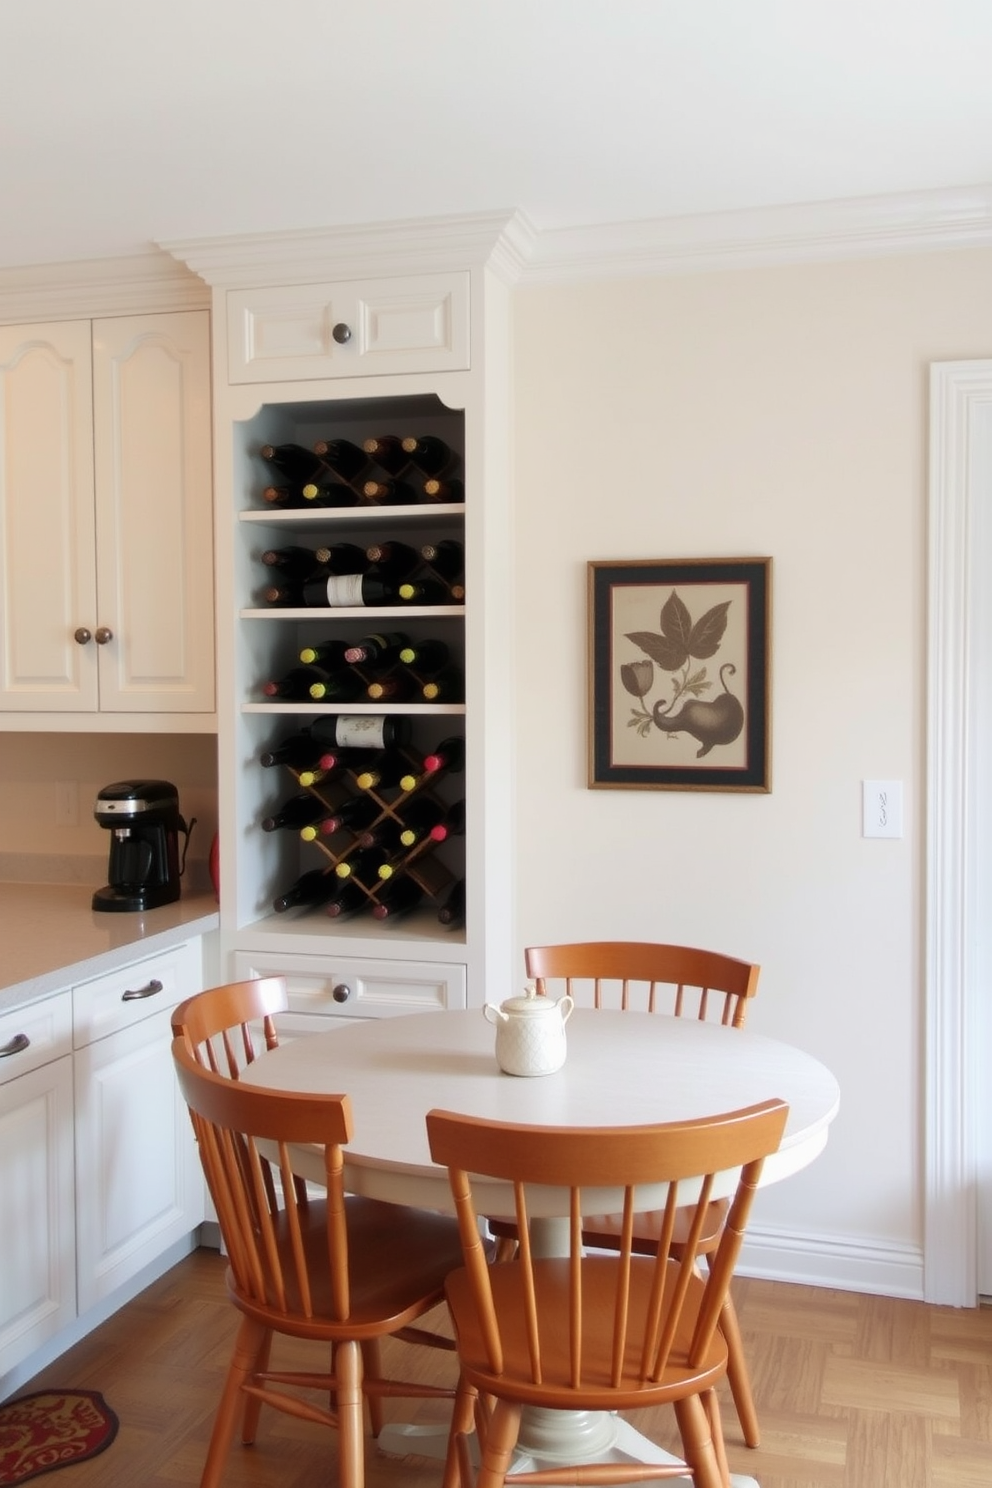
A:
[37, 1212]
[138, 1178]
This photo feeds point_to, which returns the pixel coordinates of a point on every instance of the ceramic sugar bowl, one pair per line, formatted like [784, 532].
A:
[530, 1032]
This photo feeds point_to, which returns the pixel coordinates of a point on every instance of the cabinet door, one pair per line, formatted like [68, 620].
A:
[350, 329]
[37, 1278]
[138, 1181]
[151, 401]
[47, 538]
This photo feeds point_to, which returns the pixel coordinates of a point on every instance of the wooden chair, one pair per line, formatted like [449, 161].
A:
[683, 982]
[341, 1271]
[594, 1331]
[216, 1024]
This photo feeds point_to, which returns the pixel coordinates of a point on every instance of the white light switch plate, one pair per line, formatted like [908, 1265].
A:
[881, 808]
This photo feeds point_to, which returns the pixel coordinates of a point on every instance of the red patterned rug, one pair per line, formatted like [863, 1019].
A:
[50, 1429]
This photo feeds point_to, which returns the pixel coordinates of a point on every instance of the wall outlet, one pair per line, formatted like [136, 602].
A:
[881, 808]
[66, 803]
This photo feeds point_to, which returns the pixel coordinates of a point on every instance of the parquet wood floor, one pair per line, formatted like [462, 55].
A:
[853, 1392]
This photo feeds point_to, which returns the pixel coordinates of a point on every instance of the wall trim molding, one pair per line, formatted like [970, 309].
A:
[958, 857]
[881, 1269]
[138, 284]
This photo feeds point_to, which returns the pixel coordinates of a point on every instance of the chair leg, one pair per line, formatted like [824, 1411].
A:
[501, 1438]
[247, 1346]
[712, 1407]
[462, 1422]
[737, 1374]
[351, 1421]
[253, 1406]
[372, 1370]
[697, 1444]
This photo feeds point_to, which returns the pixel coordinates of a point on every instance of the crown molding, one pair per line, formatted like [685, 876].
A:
[500, 240]
[855, 227]
[138, 284]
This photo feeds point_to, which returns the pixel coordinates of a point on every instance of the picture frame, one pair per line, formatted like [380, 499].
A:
[684, 642]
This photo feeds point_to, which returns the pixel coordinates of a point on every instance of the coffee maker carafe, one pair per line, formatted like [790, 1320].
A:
[144, 822]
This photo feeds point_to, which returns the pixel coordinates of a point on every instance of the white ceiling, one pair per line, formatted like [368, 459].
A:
[124, 123]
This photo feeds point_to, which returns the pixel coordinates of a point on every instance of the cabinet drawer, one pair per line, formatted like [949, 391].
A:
[325, 986]
[46, 1025]
[395, 325]
[133, 993]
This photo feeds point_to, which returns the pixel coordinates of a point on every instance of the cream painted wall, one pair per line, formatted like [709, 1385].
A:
[778, 412]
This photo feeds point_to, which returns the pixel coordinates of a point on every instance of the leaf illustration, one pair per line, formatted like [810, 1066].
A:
[676, 622]
[708, 631]
[697, 683]
[666, 653]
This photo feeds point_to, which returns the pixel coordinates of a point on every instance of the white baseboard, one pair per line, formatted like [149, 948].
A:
[885, 1269]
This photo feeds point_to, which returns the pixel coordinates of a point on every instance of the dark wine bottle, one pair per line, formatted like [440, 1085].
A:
[343, 591]
[361, 731]
[425, 591]
[327, 654]
[384, 772]
[343, 686]
[375, 652]
[295, 813]
[283, 496]
[364, 864]
[425, 657]
[389, 493]
[448, 755]
[293, 563]
[452, 824]
[295, 685]
[420, 815]
[298, 750]
[346, 459]
[447, 687]
[292, 461]
[342, 558]
[335, 494]
[384, 834]
[348, 900]
[452, 911]
[310, 889]
[338, 760]
[430, 454]
[446, 558]
[444, 490]
[396, 897]
[395, 560]
[398, 687]
[388, 453]
[355, 813]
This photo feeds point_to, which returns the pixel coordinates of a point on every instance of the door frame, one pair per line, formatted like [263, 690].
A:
[958, 1206]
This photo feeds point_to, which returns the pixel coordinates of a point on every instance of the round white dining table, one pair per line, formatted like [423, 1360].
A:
[622, 1069]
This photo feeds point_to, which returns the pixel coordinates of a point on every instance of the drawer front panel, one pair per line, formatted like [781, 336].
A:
[133, 993]
[394, 325]
[324, 987]
[35, 1035]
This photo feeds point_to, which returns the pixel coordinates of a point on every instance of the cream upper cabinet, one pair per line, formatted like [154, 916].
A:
[106, 616]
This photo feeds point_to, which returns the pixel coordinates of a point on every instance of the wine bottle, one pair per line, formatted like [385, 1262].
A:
[387, 770]
[310, 889]
[355, 813]
[295, 685]
[373, 652]
[446, 558]
[393, 559]
[283, 496]
[346, 459]
[388, 453]
[448, 755]
[398, 687]
[447, 687]
[426, 591]
[364, 864]
[419, 816]
[396, 897]
[430, 454]
[354, 759]
[297, 750]
[452, 911]
[338, 687]
[452, 824]
[299, 811]
[342, 558]
[338, 591]
[292, 461]
[293, 563]
[385, 834]
[348, 900]
[444, 490]
[327, 654]
[389, 493]
[335, 494]
[425, 657]
[361, 731]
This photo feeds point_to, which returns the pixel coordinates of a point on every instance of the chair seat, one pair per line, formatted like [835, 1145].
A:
[514, 1381]
[399, 1257]
[602, 1231]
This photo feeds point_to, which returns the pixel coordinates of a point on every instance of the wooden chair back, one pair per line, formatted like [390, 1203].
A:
[217, 1024]
[623, 974]
[623, 1321]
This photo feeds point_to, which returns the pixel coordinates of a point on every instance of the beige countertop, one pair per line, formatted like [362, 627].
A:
[50, 937]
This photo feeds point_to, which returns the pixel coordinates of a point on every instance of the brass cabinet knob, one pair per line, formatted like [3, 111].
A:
[103, 635]
[82, 635]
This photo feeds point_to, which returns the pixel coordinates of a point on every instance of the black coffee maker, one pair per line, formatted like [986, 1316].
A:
[145, 826]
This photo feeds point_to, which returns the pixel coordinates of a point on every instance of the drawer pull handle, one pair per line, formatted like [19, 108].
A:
[341, 992]
[137, 993]
[17, 1045]
[341, 333]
